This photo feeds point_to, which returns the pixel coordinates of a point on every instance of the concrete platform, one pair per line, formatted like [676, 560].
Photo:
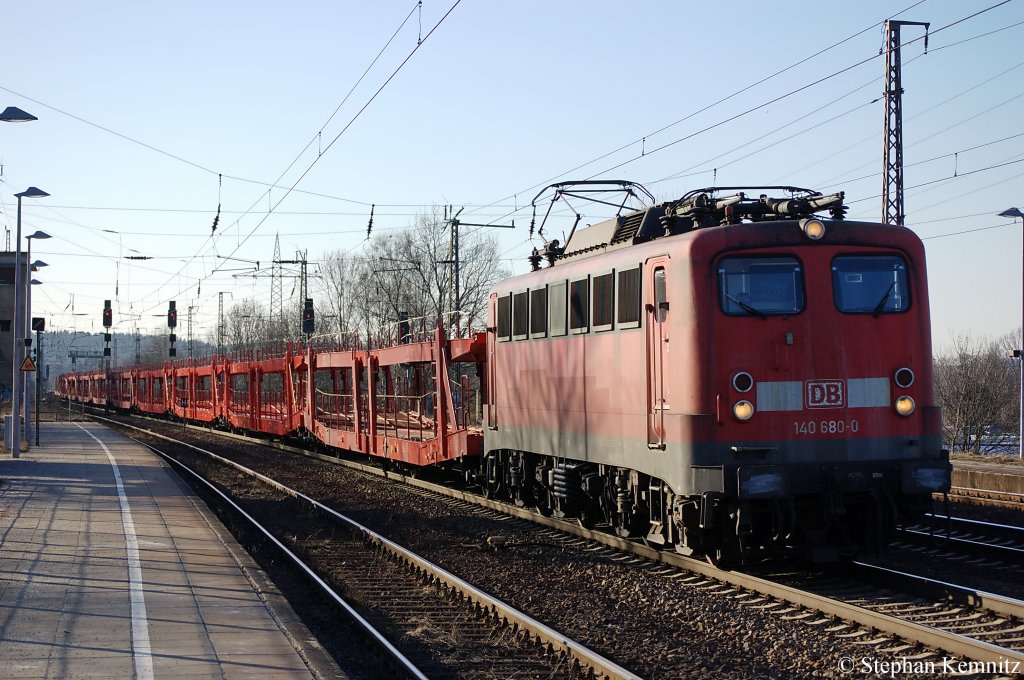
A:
[111, 568]
[1005, 478]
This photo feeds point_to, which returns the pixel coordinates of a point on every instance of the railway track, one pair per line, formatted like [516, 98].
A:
[968, 538]
[1001, 499]
[955, 621]
[427, 622]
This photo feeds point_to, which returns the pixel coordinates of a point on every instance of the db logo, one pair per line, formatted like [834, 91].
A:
[825, 393]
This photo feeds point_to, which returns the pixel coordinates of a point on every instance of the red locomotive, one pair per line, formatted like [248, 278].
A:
[727, 374]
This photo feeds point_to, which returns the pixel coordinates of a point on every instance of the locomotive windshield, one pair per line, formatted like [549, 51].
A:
[870, 284]
[760, 286]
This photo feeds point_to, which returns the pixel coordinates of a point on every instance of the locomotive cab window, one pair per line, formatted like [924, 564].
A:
[660, 295]
[760, 286]
[870, 284]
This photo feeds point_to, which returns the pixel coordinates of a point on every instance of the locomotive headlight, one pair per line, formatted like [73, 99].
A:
[813, 228]
[743, 410]
[742, 381]
[904, 378]
[904, 406]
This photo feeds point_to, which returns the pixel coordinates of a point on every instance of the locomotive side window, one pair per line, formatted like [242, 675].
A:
[629, 298]
[505, 317]
[760, 286]
[538, 312]
[579, 305]
[660, 294]
[604, 301]
[870, 284]
[556, 308]
[520, 315]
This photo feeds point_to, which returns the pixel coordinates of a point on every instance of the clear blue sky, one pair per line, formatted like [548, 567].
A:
[142, 105]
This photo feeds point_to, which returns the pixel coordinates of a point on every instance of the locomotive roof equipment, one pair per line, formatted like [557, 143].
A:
[697, 209]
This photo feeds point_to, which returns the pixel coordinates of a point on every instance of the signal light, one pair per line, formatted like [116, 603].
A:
[308, 321]
[404, 328]
[172, 315]
[108, 314]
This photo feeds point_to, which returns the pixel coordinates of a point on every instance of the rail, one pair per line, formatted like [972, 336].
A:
[393, 652]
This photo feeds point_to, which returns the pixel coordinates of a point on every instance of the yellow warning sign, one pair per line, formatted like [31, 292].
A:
[28, 365]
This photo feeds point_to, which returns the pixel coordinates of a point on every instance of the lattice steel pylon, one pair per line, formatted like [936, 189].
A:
[220, 322]
[892, 157]
[276, 295]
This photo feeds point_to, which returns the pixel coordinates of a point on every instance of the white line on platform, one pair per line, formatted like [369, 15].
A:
[141, 651]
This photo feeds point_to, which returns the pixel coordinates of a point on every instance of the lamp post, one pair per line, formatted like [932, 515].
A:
[31, 192]
[39, 373]
[27, 386]
[12, 114]
[1014, 213]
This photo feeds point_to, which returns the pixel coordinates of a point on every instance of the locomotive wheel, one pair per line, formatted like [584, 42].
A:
[589, 517]
[628, 525]
[490, 489]
[716, 559]
[727, 554]
[492, 474]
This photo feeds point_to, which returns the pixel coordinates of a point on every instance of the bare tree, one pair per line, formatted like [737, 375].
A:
[246, 324]
[410, 273]
[154, 349]
[977, 385]
[340, 275]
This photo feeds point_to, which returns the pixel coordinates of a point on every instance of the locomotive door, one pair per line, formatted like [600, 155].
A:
[492, 342]
[656, 309]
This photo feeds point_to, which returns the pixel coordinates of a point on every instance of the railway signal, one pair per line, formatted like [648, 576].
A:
[108, 321]
[308, 321]
[404, 328]
[172, 322]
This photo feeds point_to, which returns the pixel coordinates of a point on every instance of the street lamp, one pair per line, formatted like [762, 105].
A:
[31, 192]
[12, 114]
[1015, 213]
[27, 386]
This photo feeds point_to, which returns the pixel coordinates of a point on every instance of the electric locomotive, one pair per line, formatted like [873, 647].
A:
[728, 373]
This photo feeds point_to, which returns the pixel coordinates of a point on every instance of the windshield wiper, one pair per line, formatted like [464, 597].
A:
[747, 308]
[885, 298]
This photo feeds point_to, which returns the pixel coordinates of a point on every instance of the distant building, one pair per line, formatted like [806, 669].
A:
[7, 319]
